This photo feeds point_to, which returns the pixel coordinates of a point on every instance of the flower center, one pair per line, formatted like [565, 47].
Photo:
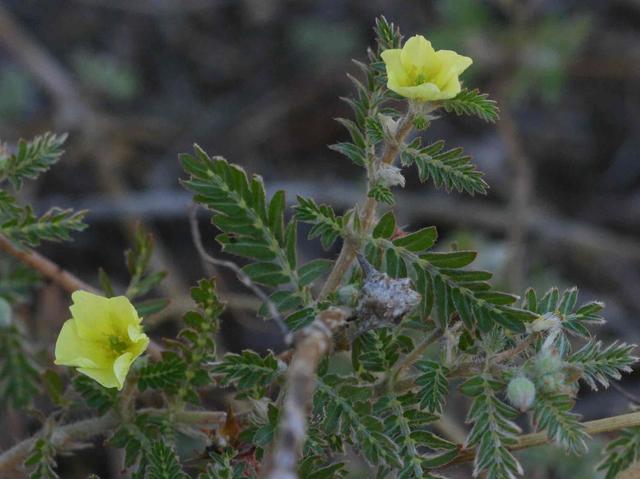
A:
[117, 344]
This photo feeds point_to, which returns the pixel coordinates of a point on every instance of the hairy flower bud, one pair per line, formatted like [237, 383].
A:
[545, 322]
[390, 175]
[521, 393]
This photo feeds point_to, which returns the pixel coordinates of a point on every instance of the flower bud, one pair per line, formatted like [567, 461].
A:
[521, 393]
[348, 295]
[389, 125]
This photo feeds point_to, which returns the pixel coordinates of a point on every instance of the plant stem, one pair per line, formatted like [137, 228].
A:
[81, 431]
[312, 344]
[414, 355]
[350, 248]
[45, 267]
[598, 426]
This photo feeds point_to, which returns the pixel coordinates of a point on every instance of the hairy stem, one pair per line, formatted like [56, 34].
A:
[65, 436]
[350, 248]
[598, 426]
[313, 343]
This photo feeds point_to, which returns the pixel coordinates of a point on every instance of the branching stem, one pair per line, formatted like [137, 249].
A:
[349, 248]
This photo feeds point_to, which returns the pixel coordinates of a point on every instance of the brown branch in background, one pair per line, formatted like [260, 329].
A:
[75, 434]
[98, 133]
[67, 281]
[45, 267]
[312, 344]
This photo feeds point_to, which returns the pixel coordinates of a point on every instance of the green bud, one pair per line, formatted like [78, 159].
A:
[348, 295]
[521, 393]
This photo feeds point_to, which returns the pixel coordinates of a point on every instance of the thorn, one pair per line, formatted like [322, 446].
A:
[367, 268]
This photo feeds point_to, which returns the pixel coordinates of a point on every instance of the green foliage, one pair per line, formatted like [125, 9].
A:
[166, 374]
[343, 408]
[31, 158]
[377, 351]
[381, 193]
[473, 103]
[16, 281]
[226, 465]
[138, 260]
[54, 225]
[600, 363]
[140, 440]
[434, 385]
[326, 225]
[96, 396]
[41, 460]
[18, 223]
[446, 287]
[19, 378]
[182, 370]
[552, 413]
[251, 227]
[406, 424]
[621, 453]
[493, 429]
[163, 463]
[449, 169]
[249, 373]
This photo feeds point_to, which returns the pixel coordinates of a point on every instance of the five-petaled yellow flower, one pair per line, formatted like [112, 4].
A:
[102, 339]
[419, 72]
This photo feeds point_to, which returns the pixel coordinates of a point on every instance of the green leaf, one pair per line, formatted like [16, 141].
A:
[552, 413]
[351, 151]
[385, 227]
[250, 228]
[449, 169]
[163, 462]
[326, 225]
[166, 374]
[621, 453]
[418, 241]
[493, 430]
[95, 395]
[54, 225]
[600, 363]
[381, 193]
[19, 378]
[311, 271]
[472, 102]
[434, 386]
[249, 372]
[32, 158]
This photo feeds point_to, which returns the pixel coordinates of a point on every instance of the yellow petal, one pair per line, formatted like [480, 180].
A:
[449, 65]
[121, 368]
[423, 92]
[90, 312]
[417, 53]
[71, 350]
[395, 71]
[106, 377]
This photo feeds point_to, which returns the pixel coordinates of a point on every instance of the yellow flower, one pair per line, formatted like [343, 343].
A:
[419, 72]
[102, 339]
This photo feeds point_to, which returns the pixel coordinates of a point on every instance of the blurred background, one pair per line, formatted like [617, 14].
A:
[135, 82]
